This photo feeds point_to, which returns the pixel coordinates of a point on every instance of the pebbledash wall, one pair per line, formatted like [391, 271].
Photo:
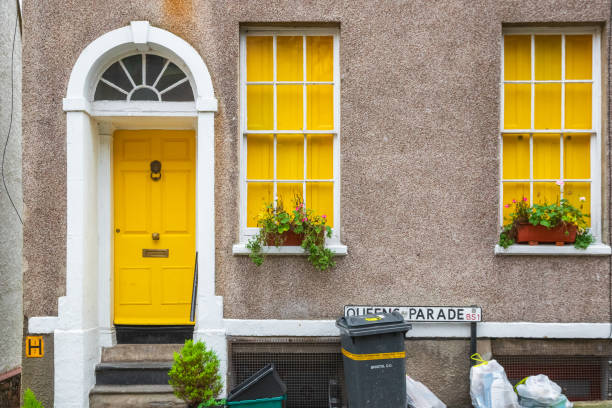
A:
[10, 225]
[419, 160]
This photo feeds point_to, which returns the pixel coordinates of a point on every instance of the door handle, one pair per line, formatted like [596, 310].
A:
[155, 236]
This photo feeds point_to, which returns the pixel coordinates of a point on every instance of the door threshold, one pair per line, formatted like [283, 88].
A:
[133, 334]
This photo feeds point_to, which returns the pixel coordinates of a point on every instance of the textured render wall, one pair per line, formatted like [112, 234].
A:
[37, 373]
[11, 318]
[419, 158]
[443, 366]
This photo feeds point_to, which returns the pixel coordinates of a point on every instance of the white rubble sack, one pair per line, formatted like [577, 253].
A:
[538, 391]
[419, 396]
[490, 388]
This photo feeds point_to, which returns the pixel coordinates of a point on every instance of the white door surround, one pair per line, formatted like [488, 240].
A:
[84, 322]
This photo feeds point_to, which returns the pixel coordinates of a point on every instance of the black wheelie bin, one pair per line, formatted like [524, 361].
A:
[373, 354]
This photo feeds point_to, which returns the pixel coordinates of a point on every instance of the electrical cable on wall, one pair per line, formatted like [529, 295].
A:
[8, 135]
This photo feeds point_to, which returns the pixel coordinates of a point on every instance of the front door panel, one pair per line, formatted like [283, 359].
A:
[154, 287]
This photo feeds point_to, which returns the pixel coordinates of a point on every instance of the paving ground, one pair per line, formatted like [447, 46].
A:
[593, 404]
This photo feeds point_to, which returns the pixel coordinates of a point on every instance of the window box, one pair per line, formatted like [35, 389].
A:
[287, 238]
[535, 234]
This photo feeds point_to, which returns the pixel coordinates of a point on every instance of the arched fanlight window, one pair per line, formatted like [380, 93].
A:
[144, 77]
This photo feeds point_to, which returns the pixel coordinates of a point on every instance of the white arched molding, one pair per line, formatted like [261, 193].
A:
[138, 36]
[84, 323]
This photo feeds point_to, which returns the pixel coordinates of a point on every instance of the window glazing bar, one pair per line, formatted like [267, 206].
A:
[300, 132]
[550, 81]
[536, 131]
[290, 83]
[291, 181]
[546, 180]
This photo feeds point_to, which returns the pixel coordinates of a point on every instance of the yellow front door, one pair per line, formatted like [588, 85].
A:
[154, 226]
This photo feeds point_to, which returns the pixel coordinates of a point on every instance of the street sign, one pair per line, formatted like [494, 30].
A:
[35, 346]
[465, 314]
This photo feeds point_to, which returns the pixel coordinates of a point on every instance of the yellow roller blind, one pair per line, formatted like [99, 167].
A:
[289, 59]
[578, 57]
[547, 57]
[516, 149]
[297, 95]
[259, 58]
[517, 57]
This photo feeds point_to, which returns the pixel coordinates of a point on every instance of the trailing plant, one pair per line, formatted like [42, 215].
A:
[561, 213]
[275, 220]
[505, 239]
[583, 241]
[195, 375]
[30, 401]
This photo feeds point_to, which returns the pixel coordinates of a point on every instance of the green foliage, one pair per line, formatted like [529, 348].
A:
[273, 221]
[583, 241]
[256, 255]
[549, 216]
[30, 401]
[505, 239]
[211, 402]
[195, 374]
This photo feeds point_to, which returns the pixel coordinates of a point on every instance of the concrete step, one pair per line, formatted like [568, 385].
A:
[134, 396]
[133, 373]
[140, 352]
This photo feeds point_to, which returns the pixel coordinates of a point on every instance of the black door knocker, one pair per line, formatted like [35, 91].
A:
[155, 170]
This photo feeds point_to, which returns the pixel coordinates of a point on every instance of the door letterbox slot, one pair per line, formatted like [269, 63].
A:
[155, 253]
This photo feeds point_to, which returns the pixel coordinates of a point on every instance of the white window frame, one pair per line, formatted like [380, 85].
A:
[596, 139]
[119, 108]
[247, 232]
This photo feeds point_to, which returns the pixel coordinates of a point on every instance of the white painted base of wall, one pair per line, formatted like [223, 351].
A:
[327, 328]
[216, 339]
[108, 337]
[76, 358]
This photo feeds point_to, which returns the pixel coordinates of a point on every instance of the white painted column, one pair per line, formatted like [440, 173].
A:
[76, 338]
[209, 311]
[105, 236]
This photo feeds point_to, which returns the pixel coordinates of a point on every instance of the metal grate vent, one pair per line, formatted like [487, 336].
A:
[311, 368]
[582, 378]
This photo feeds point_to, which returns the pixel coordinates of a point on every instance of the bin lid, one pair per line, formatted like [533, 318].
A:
[371, 324]
[265, 383]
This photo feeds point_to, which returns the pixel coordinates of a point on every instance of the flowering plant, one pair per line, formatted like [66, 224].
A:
[547, 215]
[275, 221]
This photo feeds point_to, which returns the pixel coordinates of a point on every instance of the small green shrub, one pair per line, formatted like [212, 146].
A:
[195, 374]
[30, 401]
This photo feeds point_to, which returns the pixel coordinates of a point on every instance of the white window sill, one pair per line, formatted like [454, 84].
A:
[593, 250]
[241, 249]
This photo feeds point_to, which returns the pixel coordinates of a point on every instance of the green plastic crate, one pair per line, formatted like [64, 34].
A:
[276, 402]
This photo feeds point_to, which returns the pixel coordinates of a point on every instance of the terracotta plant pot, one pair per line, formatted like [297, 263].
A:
[288, 238]
[535, 234]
